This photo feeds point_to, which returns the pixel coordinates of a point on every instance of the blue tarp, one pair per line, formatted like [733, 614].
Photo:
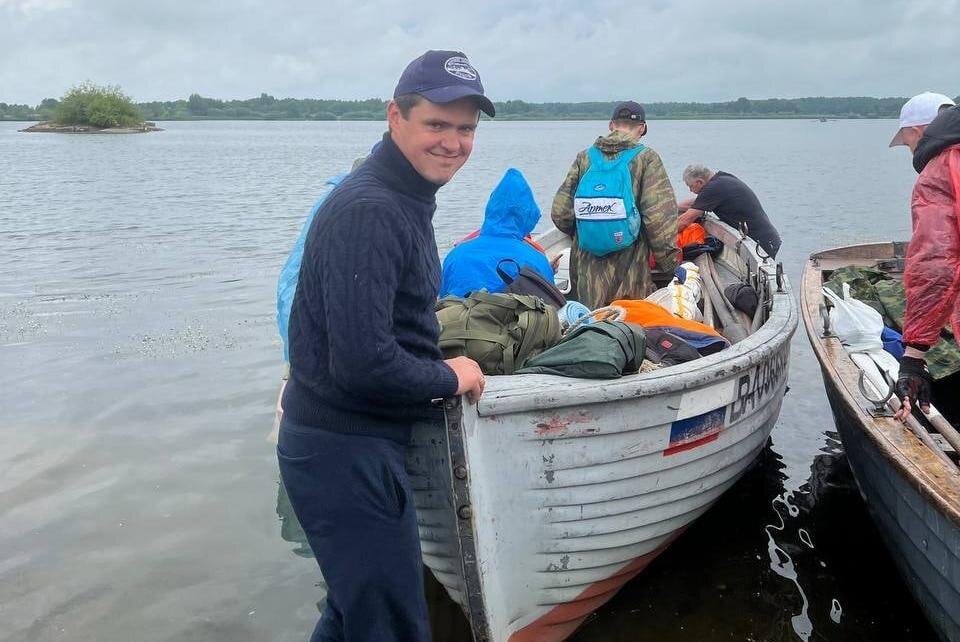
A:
[290, 274]
[892, 342]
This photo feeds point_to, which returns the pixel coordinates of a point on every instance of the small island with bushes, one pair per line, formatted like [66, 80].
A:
[91, 109]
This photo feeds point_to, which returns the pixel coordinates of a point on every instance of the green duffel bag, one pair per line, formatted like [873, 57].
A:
[599, 350]
[498, 331]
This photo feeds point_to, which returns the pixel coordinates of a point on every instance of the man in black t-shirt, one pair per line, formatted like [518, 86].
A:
[731, 200]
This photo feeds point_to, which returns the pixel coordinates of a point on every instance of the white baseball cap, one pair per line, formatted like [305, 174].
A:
[920, 110]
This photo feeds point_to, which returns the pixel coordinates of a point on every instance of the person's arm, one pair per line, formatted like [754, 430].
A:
[360, 274]
[562, 210]
[932, 275]
[689, 217]
[685, 204]
[658, 206]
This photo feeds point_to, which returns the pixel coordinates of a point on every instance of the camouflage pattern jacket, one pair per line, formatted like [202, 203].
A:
[598, 280]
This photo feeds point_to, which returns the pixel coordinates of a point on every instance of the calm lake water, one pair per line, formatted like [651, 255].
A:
[139, 364]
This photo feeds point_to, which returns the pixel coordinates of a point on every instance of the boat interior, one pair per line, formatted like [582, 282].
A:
[888, 258]
[740, 261]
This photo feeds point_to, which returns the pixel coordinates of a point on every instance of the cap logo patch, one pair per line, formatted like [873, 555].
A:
[460, 67]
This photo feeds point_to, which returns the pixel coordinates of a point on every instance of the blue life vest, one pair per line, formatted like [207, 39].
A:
[604, 205]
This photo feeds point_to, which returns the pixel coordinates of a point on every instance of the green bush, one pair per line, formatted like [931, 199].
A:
[90, 104]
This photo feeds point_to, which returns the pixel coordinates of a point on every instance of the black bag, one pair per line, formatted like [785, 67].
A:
[600, 350]
[743, 297]
[712, 246]
[529, 281]
[668, 349]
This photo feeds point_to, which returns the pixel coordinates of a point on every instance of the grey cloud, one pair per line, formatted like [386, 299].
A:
[540, 50]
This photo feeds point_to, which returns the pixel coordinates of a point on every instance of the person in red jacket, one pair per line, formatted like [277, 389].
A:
[930, 127]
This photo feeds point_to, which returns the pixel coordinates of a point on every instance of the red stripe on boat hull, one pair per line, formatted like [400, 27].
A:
[690, 445]
[562, 620]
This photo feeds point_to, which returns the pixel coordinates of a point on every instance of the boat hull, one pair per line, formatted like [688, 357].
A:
[540, 502]
[912, 494]
[924, 544]
[565, 505]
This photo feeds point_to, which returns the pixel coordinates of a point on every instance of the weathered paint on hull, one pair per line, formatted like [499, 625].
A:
[569, 504]
[536, 505]
[560, 622]
[594, 501]
[924, 544]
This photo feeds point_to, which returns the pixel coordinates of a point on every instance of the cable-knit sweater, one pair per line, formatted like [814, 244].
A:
[364, 357]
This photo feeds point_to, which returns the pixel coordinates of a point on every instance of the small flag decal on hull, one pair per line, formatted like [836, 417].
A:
[692, 432]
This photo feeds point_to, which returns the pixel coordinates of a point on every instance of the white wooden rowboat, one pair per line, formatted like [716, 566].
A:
[537, 504]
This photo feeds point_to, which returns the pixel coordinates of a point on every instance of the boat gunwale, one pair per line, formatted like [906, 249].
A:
[934, 479]
[507, 394]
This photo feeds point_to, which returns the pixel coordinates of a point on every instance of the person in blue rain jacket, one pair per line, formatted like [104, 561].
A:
[511, 215]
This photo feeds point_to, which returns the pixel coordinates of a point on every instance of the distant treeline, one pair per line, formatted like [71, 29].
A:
[266, 107]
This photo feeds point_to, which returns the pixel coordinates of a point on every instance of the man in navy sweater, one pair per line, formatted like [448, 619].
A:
[365, 361]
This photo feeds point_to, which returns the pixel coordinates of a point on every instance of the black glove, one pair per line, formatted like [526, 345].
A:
[914, 381]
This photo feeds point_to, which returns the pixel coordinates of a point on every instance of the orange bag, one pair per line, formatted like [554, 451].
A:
[693, 234]
[649, 314]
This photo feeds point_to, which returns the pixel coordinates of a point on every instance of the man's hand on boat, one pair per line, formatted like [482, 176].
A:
[470, 379]
[913, 384]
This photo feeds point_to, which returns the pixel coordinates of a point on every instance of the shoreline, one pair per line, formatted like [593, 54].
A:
[47, 127]
[87, 129]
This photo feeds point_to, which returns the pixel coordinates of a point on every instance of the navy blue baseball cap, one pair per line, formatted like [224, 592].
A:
[629, 110]
[443, 77]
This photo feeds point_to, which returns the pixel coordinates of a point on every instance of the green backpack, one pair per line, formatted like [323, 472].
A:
[599, 350]
[498, 331]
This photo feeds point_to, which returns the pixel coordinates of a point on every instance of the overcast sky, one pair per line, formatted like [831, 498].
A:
[543, 50]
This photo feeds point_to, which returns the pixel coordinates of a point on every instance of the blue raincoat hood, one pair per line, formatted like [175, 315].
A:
[511, 210]
[511, 214]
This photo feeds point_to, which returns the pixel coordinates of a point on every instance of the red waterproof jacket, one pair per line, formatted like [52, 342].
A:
[932, 276]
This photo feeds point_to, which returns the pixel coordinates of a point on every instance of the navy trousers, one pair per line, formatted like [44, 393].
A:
[353, 499]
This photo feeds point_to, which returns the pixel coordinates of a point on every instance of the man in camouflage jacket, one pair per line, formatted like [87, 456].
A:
[625, 274]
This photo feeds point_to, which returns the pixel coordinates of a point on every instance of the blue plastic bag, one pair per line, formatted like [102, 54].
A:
[892, 342]
[290, 274]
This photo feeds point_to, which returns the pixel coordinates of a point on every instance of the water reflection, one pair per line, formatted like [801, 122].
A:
[290, 529]
[840, 563]
[782, 564]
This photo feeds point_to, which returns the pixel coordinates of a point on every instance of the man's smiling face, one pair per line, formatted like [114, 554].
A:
[436, 138]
